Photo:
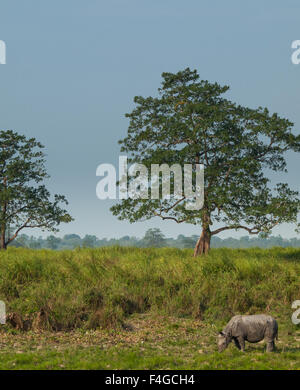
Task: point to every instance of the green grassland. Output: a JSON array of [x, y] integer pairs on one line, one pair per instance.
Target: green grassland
[[129, 308]]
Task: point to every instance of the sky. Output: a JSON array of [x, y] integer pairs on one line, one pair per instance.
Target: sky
[[74, 66]]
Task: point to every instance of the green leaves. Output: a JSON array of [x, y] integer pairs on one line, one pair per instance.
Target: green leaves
[[190, 121], [24, 203]]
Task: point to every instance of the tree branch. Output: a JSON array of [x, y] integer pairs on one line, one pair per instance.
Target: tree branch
[[170, 218], [253, 230]]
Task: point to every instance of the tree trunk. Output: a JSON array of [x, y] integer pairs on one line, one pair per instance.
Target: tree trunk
[[203, 244], [3, 244]]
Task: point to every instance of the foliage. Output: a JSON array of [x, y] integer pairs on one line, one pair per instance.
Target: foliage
[[154, 238], [72, 241], [24, 201], [191, 122], [90, 288]]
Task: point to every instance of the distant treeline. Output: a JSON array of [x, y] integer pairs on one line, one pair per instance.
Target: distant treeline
[[152, 238]]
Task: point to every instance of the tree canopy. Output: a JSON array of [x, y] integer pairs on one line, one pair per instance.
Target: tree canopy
[[24, 200], [190, 121], [154, 238]]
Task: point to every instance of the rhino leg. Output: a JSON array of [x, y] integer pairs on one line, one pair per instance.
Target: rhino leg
[[241, 342], [270, 346], [237, 344]]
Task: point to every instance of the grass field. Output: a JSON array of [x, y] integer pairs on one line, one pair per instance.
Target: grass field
[[127, 308]]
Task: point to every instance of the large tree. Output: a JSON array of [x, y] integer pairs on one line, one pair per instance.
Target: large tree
[[190, 121], [24, 200]]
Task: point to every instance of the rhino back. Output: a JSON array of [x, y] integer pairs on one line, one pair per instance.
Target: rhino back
[[252, 327]]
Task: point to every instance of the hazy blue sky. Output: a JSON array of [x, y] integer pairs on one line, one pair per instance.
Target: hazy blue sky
[[74, 66]]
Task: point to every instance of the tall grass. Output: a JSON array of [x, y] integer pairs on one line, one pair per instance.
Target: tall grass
[[90, 288]]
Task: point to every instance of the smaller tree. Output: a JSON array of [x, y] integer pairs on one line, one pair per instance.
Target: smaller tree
[[154, 238], [186, 242], [72, 241], [89, 241], [53, 242], [24, 202]]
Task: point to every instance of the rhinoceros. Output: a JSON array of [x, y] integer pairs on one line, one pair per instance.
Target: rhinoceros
[[252, 328]]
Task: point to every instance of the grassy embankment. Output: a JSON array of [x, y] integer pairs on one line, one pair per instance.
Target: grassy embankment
[[143, 308]]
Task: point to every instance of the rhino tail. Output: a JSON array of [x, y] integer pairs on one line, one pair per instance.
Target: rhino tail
[[276, 334]]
